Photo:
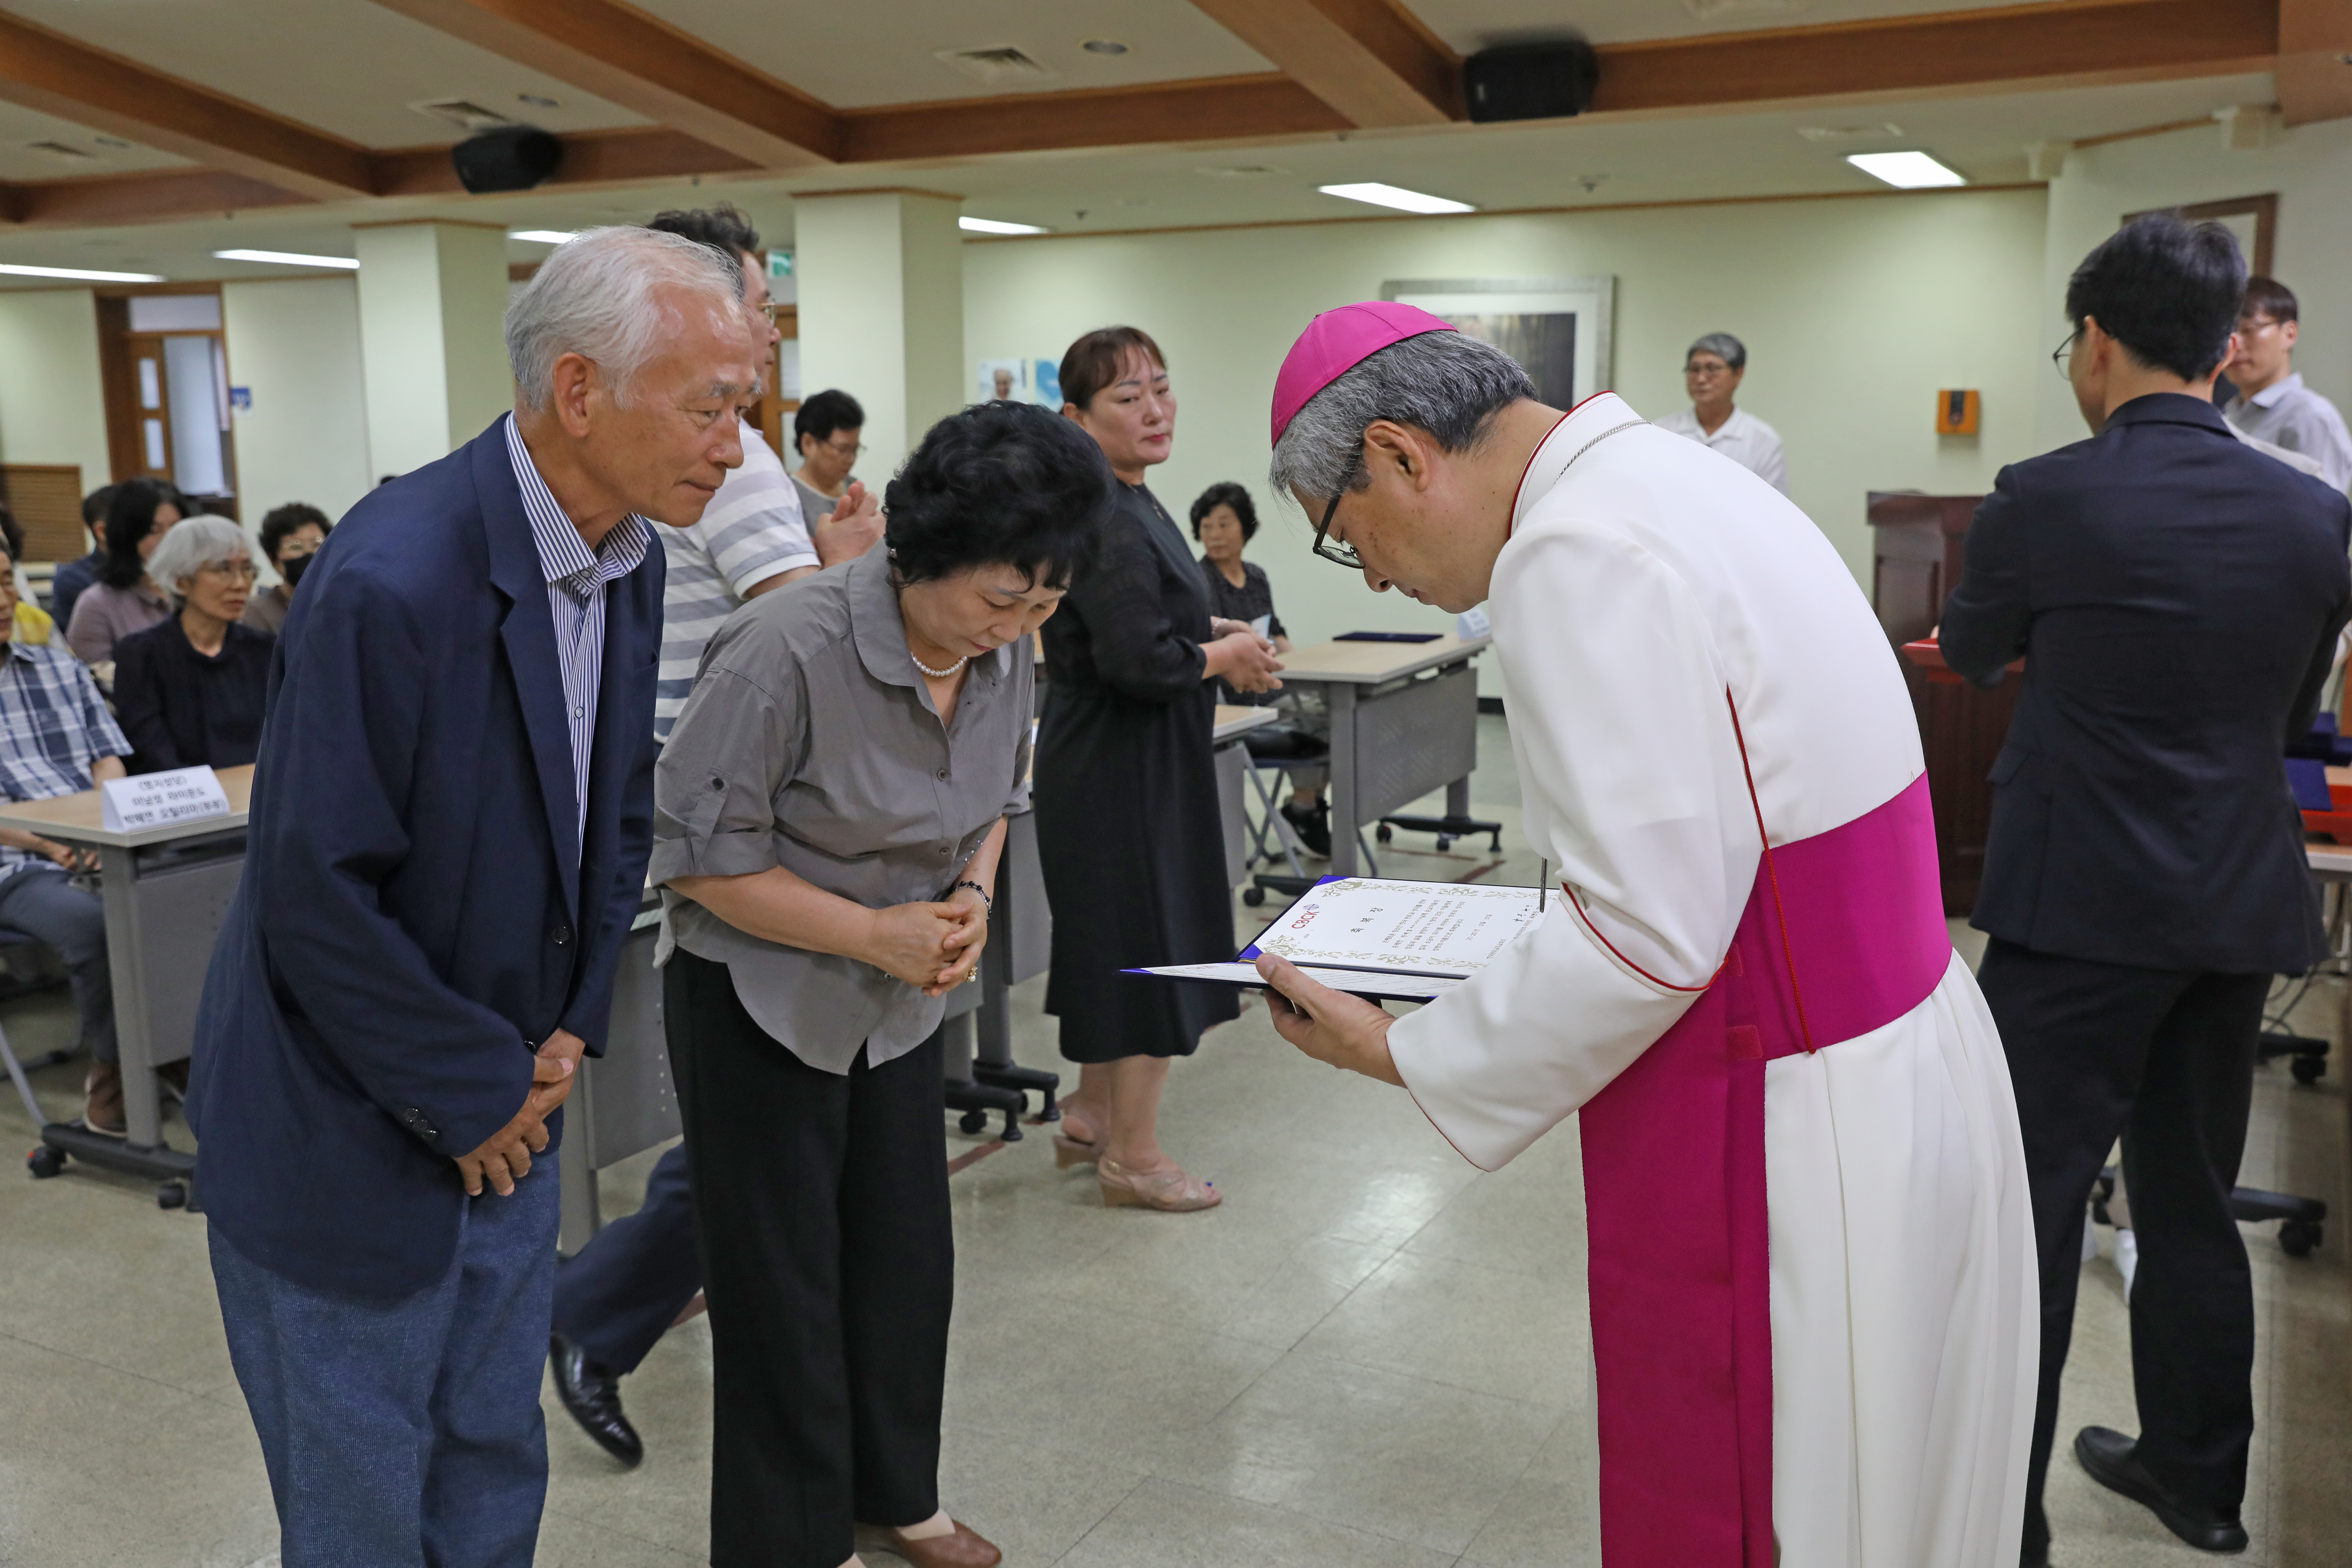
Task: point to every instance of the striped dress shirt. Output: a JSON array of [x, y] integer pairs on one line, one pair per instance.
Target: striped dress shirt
[[576, 580]]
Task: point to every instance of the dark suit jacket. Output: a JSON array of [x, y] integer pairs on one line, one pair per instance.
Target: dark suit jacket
[[2176, 595], [414, 915]]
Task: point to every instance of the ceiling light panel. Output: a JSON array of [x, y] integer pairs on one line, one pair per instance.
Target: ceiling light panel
[[289, 259], [79, 274], [991, 226], [542, 236], [1905, 171], [1397, 197]]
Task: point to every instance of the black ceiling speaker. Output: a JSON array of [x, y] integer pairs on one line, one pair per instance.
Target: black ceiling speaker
[[1530, 81], [510, 158]]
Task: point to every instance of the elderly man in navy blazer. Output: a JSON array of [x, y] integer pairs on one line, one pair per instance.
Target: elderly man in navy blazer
[[449, 832]]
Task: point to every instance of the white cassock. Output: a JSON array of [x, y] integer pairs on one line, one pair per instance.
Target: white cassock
[[1812, 1273]]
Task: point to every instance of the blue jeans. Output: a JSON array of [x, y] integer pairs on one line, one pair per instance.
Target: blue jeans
[[407, 1434]]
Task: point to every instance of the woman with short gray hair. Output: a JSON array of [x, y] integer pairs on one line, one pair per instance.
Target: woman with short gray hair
[[190, 688], [1713, 369]]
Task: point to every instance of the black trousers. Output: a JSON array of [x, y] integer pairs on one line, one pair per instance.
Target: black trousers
[[621, 1292], [2165, 1059], [828, 1264]]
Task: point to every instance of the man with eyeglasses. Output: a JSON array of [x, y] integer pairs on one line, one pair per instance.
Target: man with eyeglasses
[[825, 432], [2272, 404], [2177, 600], [1712, 372], [1803, 1196]]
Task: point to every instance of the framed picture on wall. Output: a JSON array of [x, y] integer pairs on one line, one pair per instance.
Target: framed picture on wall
[[2253, 219], [1556, 328]]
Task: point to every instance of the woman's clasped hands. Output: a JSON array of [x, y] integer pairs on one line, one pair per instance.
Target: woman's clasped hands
[[935, 947]]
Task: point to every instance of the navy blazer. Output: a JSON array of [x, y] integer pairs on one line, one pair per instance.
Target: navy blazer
[[414, 915], [2176, 595]]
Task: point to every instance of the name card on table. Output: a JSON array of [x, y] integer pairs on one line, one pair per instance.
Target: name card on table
[[159, 799]]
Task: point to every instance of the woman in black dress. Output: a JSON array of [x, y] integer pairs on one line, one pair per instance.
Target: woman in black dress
[[1128, 832]]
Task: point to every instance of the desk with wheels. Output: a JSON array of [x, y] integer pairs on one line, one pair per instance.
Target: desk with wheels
[[1405, 722], [166, 892], [625, 1101]]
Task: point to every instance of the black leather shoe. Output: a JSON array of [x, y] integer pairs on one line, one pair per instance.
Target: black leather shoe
[[2109, 1456], [595, 1400], [1313, 826]]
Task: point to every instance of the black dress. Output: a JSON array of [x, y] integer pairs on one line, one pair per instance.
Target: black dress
[[180, 708], [1129, 833]]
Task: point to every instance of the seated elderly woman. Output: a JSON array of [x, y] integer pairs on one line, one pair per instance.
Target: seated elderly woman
[[125, 599], [828, 816], [189, 689]]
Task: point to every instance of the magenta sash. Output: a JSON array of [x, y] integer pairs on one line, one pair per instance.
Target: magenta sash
[[1843, 934]]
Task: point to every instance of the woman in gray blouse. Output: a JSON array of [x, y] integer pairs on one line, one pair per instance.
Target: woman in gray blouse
[[829, 812]]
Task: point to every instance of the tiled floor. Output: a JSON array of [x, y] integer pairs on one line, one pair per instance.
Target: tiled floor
[[1372, 1355]]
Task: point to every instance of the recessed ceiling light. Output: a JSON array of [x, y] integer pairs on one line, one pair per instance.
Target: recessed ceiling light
[[542, 236], [116, 142], [1831, 134], [1243, 172], [82, 274], [536, 100], [991, 226], [1104, 47], [1381, 195], [1905, 171], [289, 259]]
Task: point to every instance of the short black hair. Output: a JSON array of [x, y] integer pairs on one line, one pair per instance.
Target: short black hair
[[827, 411], [999, 484], [1226, 493], [280, 522], [2167, 290], [2269, 297], [129, 515], [94, 505], [723, 228]]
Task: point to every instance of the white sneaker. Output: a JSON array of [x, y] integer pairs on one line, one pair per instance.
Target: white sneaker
[[2126, 1259]]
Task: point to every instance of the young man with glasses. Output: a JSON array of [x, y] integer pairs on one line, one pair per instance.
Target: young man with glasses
[[2271, 402], [2176, 601]]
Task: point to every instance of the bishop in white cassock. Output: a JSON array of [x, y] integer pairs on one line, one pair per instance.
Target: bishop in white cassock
[[1812, 1266]]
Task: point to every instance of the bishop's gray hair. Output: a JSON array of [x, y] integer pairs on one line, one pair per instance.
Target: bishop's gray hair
[[1448, 384], [1723, 346], [602, 296]]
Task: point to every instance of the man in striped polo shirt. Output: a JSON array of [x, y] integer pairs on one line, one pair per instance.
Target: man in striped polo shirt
[[615, 1299], [753, 537]]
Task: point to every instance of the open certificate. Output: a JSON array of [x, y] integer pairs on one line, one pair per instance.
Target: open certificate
[[1388, 941]]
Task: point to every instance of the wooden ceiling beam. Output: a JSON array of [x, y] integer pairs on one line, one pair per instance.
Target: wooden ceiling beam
[[62, 76], [1368, 60], [625, 56], [2080, 43], [1211, 109], [2314, 67]]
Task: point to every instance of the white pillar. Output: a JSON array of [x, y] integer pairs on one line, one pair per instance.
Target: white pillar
[[432, 302], [881, 275]]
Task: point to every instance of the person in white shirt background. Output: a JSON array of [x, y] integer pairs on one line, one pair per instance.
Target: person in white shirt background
[[1712, 372], [2271, 404]]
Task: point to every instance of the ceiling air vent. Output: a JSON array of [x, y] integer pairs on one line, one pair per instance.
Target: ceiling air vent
[[1717, 10], [997, 65], [1832, 135], [61, 150], [463, 113]]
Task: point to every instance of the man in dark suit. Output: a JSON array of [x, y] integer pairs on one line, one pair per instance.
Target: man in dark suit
[[2176, 595], [449, 832]]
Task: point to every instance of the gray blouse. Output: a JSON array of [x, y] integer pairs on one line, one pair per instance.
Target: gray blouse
[[810, 743]]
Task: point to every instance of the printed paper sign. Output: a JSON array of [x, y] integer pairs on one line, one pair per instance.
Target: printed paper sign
[[159, 799]]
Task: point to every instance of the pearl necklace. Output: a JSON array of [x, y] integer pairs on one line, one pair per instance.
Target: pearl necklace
[[938, 674]]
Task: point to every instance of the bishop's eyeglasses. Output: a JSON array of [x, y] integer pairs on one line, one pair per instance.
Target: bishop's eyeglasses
[[1344, 554]]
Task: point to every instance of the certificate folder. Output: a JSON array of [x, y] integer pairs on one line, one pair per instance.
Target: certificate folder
[[1381, 939]]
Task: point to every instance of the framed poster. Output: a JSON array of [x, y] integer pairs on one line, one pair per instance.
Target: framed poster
[[1002, 381], [1556, 328], [2253, 220]]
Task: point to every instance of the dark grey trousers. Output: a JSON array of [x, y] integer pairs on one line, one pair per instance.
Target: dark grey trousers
[[44, 904]]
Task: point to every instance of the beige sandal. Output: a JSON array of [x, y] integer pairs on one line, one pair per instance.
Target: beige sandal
[[1170, 1191]]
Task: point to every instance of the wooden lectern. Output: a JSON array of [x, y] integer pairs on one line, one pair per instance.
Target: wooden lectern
[[1914, 565]]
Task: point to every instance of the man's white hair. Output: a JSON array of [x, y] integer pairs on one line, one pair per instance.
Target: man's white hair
[[611, 295], [1448, 384], [193, 543]]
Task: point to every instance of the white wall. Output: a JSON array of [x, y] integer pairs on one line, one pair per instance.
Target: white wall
[[295, 344], [1854, 313], [52, 406], [2311, 171]]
